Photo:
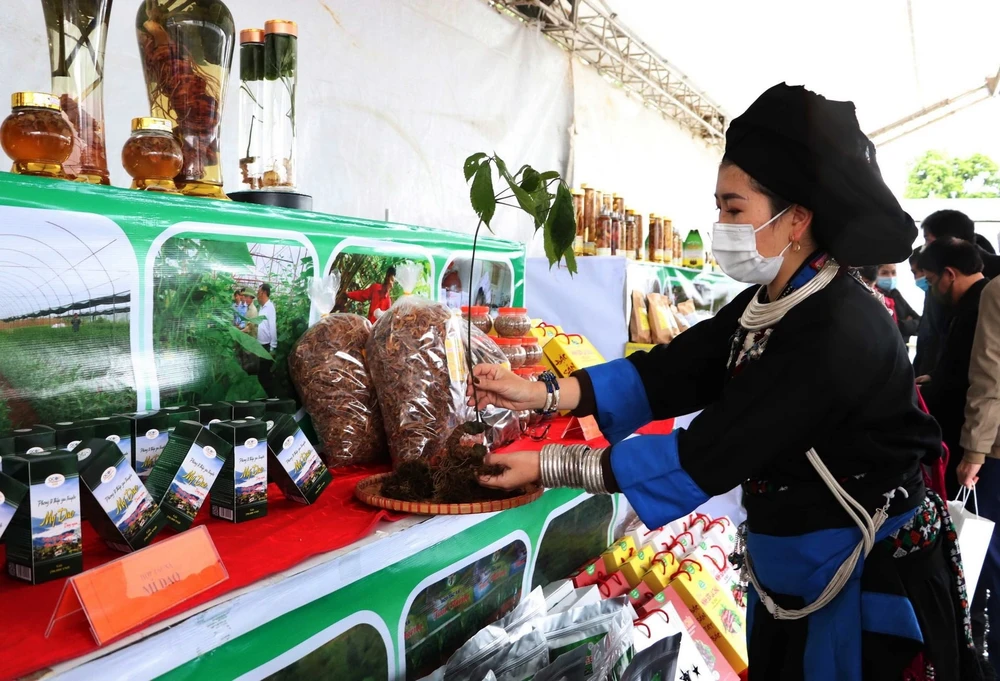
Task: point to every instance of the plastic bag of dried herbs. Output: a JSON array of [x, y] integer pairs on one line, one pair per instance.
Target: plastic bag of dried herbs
[[328, 367], [418, 364], [502, 425]]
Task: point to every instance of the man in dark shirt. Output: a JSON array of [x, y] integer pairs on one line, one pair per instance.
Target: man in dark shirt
[[954, 270]]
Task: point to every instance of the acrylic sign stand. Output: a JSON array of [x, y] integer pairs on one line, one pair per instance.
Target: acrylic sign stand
[[119, 596], [585, 429]]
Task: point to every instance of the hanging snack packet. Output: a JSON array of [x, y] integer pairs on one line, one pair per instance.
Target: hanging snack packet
[[527, 654], [587, 624], [657, 662], [477, 651], [663, 325], [639, 329]]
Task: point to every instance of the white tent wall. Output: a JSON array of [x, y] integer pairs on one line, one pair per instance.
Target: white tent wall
[[621, 146], [394, 95]]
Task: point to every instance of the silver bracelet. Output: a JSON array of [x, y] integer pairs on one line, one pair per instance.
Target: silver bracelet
[[576, 466]]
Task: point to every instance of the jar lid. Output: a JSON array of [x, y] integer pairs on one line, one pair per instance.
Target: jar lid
[[584, 186], [480, 310], [524, 372], [43, 100], [529, 340], [281, 27], [251, 35], [514, 310], [578, 192], [507, 341], [149, 123]]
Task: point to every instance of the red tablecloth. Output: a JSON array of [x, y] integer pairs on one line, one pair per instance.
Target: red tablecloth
[[251, 551]]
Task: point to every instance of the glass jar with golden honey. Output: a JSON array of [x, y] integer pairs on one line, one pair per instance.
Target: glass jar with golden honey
[[152, 155], [36, 135]]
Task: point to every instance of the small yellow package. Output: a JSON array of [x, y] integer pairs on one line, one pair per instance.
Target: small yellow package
[[660, 572], [714, 609], [618, 554], [639, 565], [544, 332], [632, 348], [568, 353]]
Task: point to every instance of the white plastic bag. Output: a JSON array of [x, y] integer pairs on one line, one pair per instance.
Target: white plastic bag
[[974, 534]]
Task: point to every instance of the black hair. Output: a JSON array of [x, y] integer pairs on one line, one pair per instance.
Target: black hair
[[266, 288], [916, 254], [391, 272], [957, 254], [985, 244], [869, 273], [949, 223], [777, 203]]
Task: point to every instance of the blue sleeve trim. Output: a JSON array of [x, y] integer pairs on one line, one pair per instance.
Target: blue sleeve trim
[[622, 407], [889, 614], [648, 471]]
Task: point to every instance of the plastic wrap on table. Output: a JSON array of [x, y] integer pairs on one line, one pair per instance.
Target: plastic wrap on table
[[329, 369], [417, 360], [502, 425]]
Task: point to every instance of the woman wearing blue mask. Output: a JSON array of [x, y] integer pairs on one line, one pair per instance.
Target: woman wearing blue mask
[[907, 318], [808, 401]]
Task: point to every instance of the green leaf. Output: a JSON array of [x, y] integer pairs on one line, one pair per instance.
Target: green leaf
[[472, 165], [543, 202], [251, 345], [548, 175], [570, 260], [483, 200], [531, 180], [524, 199], [560, 225]]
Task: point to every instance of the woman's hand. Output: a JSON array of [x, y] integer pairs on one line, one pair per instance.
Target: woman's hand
[[921, 380], [523, 468], [499, 387], [968, 473]]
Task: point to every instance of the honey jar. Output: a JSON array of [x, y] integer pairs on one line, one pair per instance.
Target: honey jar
[[152, 155], [36, 135]]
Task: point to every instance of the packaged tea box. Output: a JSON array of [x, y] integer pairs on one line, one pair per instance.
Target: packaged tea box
[[213, 412], [245, 409], [44, 539], [69, 434], [177, 414], [34, 440], [117, 503], [149, 431], [280, 405], [12, 493], [117, 429], [186, 471], [240, 491], [298, 470]]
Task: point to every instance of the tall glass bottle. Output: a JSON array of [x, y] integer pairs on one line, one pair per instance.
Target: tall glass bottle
[[280, 75], [77, 32], [251, 108], [187, 53]]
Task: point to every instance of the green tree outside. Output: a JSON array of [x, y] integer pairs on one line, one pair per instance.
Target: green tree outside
[[936, 175]]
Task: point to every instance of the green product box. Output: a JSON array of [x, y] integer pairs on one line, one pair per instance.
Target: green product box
[[213, 412], [247, 409], [44, 540], [299, 471], [118, 504], [117, 429], [177, 414], [69, 434], [34, 440], [280, 405], [240, 491], [12, 494], [149, 431], [186, 471]]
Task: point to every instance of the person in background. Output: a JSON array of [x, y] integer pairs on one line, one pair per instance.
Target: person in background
[[868, 275], [954, 270], [76, 323], [267, 335], [377, 295], [985, 244], [907, 318], [251, 314], [239, 309]]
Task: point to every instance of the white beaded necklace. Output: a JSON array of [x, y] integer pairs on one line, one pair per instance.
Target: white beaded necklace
[[760, 315]]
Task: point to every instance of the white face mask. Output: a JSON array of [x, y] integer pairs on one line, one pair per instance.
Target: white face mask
[[735, 249]]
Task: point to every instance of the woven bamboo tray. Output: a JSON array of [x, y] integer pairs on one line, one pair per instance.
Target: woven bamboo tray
[[368, 491]]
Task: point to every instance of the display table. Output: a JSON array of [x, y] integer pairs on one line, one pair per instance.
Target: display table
[[307, 584], [596, 302]]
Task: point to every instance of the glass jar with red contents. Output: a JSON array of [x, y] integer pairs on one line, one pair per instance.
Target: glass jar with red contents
[[512, 322], [511, 347], [480, 317], [152, 155], [36, 135], [532, 351]]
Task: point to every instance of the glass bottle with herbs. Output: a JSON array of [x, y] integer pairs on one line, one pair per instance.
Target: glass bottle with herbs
[[630, 235], [668, 238], [187, 53], [581, 225], [251, 138], [640, 240], [36, 135], [280, 76], [602, 240], [655, 243], [77, 33]]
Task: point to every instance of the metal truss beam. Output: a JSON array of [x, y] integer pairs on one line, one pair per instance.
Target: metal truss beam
[[586, 29]]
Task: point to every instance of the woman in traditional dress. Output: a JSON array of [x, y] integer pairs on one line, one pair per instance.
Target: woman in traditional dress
[[808, 400]]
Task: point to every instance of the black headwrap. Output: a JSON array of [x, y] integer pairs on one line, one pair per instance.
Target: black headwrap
[[810, 150]]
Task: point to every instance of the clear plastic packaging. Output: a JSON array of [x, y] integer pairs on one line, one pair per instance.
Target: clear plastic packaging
[[502, 425], [330, 371]]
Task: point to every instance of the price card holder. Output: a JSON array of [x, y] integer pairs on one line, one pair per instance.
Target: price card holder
[[119, 596], [585, 429]]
